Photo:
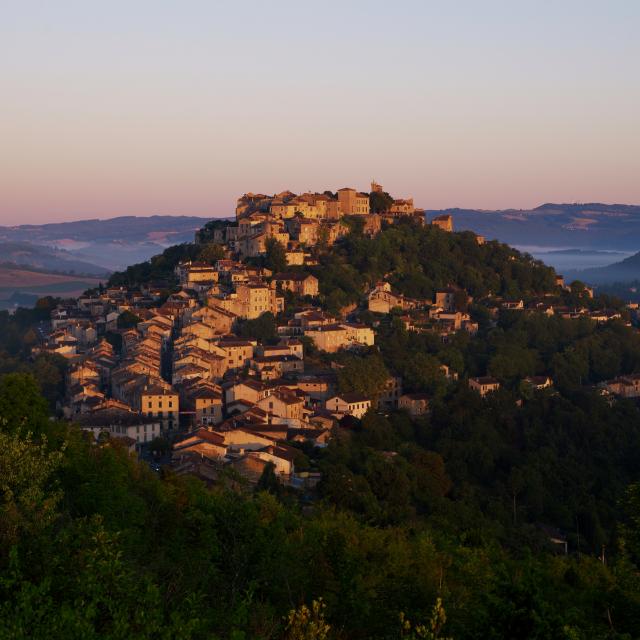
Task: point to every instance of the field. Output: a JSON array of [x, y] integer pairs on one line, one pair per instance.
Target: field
[[23, 287]]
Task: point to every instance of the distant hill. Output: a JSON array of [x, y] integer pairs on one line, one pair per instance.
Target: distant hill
[[594, 225], [46, 258], [158, 229], [627, 270], [113, 243]]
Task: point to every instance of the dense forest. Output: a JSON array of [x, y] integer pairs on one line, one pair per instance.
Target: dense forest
[[95, 545], [513, 516], [419, 260]]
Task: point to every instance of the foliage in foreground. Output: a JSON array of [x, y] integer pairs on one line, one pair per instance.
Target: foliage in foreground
[[95, 545]]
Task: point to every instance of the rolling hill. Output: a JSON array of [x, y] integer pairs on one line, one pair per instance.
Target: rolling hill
[[590, 225], [113, 243], [627, 270], [46, 258], [23, 286]]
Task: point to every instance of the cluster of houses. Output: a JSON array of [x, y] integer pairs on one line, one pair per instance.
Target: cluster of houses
[[484, 385], [320, 206], [180, 372], [627, 386], [599, 316], [300, 222], [624, 386]]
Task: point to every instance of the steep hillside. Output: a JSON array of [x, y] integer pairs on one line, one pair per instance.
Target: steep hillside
[[417, 260]]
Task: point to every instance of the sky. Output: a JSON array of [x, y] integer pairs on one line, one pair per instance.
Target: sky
[[155, 107]]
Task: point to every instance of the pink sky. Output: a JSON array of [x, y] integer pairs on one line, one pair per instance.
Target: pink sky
[[116, 111]]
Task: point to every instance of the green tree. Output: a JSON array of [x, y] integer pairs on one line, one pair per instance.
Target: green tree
[[380, 202], [128, 320], [211, 253], [512, 362], [28, 497], [307, 624], [366, 375], [262, 328], [49, 371], [429, 631], [268, 480], [460, 300], [22, 407], [275, 256]]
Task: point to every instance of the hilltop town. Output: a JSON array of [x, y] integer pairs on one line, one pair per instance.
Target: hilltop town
[[236, 360], [321, 380], [249, 393], [300, 222]]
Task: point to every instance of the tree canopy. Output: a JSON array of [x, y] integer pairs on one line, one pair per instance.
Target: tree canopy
[[276, 255], [86, 523]]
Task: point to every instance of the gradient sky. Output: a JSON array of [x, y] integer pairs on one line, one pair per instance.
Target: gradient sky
[[152, 107]]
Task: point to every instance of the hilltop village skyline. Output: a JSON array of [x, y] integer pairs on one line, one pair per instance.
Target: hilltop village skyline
[[298, 221], [336, 358]]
